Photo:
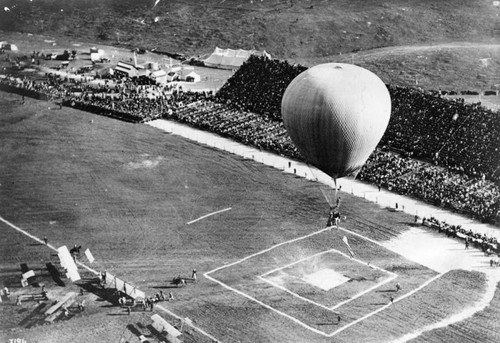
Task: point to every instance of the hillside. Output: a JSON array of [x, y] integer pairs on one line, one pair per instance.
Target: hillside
[[306, 32], [448, 66], [286, 28]]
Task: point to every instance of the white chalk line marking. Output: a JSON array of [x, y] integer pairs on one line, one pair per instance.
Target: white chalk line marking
[[188, 324], [295, 320], [266, 306], [284, 289], [386, 306], [365, 238], [392, 276], [208, 215], [327, 252], [42, 242], [97, 273], [266, 250], [468, 312], [26, 233]]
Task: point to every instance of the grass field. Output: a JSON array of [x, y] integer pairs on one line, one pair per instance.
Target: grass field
[[288, 29], [286, 268], [127, 192]]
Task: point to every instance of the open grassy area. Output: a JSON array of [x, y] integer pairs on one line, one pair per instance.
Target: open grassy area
[[312, 305], [127, 192], [450, 293]]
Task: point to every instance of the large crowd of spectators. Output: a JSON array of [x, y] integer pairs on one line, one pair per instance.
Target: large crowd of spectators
[[439, 150], [50, 87], [245, 127], [476, 197], [258, 86], [464, 138]]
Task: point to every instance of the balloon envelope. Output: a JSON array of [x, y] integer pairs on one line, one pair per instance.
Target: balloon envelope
[[336, 115]]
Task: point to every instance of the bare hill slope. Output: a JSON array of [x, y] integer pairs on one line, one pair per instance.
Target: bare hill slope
[[404, 42], [287, 28]]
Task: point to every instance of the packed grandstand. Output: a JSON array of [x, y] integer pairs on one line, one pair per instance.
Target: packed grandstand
[[440, 150]]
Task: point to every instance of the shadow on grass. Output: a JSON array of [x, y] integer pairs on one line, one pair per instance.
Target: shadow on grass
[[33, 317], [386, 291], [55, 274], [134, 330], [12, 282], [156, 333], [104, 294], [168, 286]]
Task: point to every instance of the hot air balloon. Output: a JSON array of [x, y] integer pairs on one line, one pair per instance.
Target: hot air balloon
[[336, 115]]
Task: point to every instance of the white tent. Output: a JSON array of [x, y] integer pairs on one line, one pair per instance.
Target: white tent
[[231, 59], [193, 77]]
